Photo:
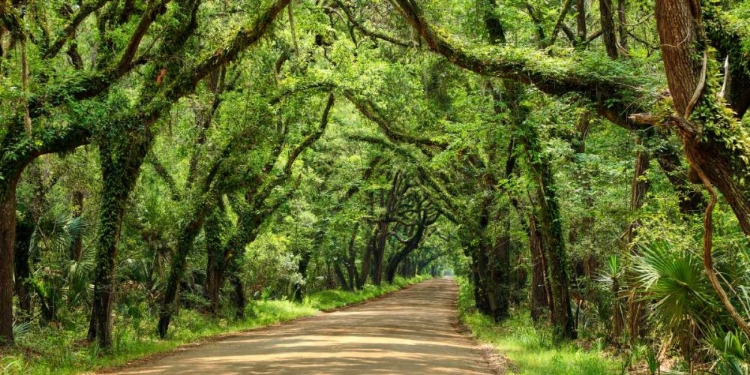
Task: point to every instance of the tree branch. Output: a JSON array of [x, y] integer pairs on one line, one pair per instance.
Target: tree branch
[[69, 30]]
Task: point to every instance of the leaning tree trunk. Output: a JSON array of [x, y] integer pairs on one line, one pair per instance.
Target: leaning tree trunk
[[411, 245], [179, 264], [121, 165], [709, 134], [712, 138], [393, 263], [341, 276]]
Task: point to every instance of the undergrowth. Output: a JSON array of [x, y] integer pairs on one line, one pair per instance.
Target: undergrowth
[[63, 350], [530, 348]]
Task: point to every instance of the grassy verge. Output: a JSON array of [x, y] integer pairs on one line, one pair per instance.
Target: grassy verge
[[530, 348], [335, 298], [63, 351]]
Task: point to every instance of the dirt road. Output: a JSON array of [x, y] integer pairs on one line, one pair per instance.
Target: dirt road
[[412, 331]]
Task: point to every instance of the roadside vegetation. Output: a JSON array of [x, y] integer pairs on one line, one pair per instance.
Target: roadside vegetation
[[529, 348]]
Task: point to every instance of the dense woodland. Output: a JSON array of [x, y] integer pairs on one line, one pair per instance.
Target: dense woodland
[[581, 161]]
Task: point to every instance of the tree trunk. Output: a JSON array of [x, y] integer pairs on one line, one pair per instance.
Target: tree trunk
[[121, 161], [636, 318], [366, 261], [622, 22], [552, 231], [238, 294], [110, 223], [179, 264], [7, 247], [213, 229], [379, 252], [341, 276], [494, 256], [581, 21], [608, 27], [539, 287], [24, 230], [708, 136], [500, 267], [394, 262], [411, 245], [351, 264], [304, 262], [480, 293]]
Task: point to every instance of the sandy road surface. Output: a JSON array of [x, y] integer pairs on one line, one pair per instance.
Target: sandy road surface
[[412, 331]]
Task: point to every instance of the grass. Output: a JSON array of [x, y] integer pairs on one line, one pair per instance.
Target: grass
[[530, 348], [51, 350], [334, 298]]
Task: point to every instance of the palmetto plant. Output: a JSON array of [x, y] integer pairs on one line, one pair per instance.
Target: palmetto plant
[[612, 278], [732, 351], [680, 297], [59, 278]]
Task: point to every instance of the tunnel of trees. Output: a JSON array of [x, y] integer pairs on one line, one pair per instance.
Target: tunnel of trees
[[581, 161]]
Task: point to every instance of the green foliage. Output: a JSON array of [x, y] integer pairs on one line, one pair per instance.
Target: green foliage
[[190, 168], [530, 349], [334, 298], [674, 279]]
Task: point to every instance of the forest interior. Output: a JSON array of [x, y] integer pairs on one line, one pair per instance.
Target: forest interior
[[175, 171]]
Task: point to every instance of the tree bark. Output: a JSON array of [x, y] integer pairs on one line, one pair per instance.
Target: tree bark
[[500, 268], [351, 264], [608, 27], [379, 252], [7, 247], [708, 131], [121, 163], [24, 231], [622, 21], [238, 294], [582, 33], [540, 295], [213, 229], [179, 263], [552, 231], [410, 245], [304, 262], [481, 298]]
